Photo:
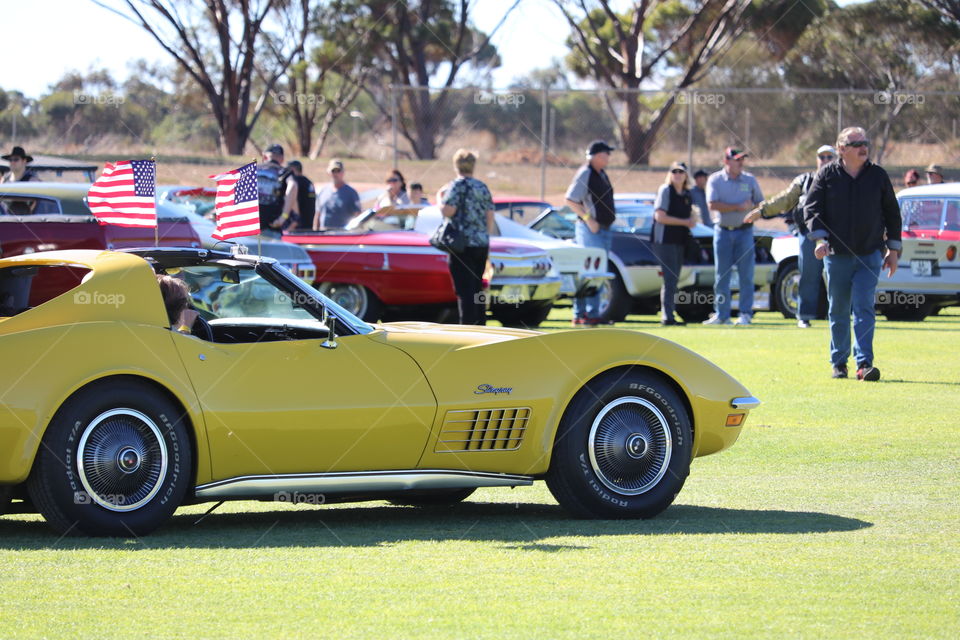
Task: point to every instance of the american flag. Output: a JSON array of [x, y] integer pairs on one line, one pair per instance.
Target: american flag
[[124, 194], [237, 204]]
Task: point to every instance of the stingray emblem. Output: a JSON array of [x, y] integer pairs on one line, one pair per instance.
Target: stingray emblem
[[489, 388]]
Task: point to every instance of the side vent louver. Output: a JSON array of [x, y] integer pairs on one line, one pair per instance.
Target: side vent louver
[[483, 430]]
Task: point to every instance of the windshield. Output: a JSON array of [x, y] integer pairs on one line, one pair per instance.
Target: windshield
[[221, 291], [199, 201], [634, 218], [926, 213]]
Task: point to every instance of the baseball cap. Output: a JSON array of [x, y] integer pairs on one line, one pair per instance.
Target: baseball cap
[[598, 146], [826, 148], [275, 148], [735, 153], [700, 172], [678, 165], [934, 168], [335, 164], [295, 164]]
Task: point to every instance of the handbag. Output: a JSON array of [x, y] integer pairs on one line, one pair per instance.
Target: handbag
[[447, 237]]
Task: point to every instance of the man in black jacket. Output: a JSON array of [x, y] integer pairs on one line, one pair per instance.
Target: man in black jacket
[[852, 214]]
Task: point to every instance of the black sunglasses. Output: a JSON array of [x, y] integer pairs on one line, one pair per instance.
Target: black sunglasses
[[826, 157], [857, 143], [677, 171]]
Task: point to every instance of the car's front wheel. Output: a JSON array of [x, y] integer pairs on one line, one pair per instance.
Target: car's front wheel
[[622, 448], [116, 460], [615, 300], [355, 298]]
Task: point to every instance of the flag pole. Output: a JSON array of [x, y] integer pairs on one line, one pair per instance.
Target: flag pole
[[156, 213], [259, 231]]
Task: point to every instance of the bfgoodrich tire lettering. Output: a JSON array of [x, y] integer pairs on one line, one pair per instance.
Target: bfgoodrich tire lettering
[[622, 449], [115, 460]]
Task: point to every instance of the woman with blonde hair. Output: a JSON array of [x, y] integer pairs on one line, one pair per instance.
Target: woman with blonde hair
[[467, 202], [672, 222]]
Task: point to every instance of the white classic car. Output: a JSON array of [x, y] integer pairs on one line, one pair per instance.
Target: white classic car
[[928, 276]]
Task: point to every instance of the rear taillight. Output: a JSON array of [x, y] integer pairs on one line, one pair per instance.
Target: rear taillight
[[952, 252]]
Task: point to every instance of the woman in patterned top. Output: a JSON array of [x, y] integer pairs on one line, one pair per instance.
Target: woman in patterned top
[[468, 202]]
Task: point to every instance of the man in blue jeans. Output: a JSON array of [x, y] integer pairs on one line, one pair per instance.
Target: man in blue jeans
[[854, 218], [590, 195], [791, 201], [731, 193]]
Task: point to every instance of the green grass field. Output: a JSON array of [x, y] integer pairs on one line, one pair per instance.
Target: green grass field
[[835, 515]]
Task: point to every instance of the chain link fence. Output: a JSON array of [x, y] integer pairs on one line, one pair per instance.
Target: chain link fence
[[780, 128]]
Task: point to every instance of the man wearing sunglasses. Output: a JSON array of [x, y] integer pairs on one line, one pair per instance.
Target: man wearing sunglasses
[[853, 216], [789, 203]]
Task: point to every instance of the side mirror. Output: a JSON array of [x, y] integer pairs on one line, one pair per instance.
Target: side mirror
[[330, 321]]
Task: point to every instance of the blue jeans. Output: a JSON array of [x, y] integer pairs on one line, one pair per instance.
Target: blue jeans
[[811, 273], [589, 306], [732, 249], [852, 282]]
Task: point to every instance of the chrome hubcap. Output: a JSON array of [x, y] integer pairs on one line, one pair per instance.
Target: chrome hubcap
[[790, 291], [630, 445], [121, 459], [349, 296]]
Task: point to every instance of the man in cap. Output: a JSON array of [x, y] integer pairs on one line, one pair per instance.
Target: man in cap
[[934, 174], [789, 203], [271, 187], [698, 193], [854, 218], [590, 195], [731, 193], [338, 202], [19, 172]]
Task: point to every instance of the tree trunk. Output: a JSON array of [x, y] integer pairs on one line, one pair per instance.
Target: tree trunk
[[424, 125]]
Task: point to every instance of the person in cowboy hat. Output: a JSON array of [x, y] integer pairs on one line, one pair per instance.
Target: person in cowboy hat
[[18, 159]]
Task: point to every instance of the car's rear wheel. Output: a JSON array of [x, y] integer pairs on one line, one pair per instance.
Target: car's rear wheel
[[907, 312], [355, 298], [622, 449], [526, 315], [615, 300], [434, 498], [6, 494], [116, 460]]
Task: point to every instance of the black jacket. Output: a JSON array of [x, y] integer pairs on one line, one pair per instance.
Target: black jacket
[[855, 215]]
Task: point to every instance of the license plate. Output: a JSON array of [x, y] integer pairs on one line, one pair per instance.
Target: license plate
[[512, 294], [921, 268], [568, 283]]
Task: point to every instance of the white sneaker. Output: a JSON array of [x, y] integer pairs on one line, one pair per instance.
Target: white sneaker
[[803, 324], [745, 318], [715, 319]]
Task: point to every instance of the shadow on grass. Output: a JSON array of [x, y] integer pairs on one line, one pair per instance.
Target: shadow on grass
[[521, 526]]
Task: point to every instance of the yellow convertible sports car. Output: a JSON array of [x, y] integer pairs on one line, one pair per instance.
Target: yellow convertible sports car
[[111, 418]]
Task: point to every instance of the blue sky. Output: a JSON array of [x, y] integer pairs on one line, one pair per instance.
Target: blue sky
[[530, 38]]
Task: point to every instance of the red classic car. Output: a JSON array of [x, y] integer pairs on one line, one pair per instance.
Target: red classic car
[[397, 274]]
